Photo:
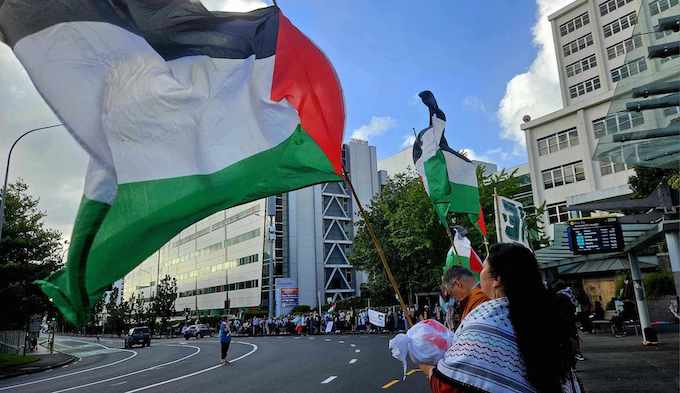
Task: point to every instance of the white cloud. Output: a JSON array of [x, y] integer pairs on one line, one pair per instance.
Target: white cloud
[[537, 91], [376, 126], [474, 104], [408, 141], [233, 5], [473, 155]]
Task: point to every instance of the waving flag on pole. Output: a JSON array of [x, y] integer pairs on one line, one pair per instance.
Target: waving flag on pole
[[183, 111], [449, 177]]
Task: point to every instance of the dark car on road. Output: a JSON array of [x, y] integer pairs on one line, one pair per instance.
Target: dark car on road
[[198, 331], [138, 336]]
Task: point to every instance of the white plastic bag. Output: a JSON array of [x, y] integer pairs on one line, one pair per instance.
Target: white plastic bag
[[425, 342]]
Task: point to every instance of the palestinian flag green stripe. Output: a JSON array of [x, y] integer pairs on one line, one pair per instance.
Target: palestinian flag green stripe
[[457, 197], [146, 214]]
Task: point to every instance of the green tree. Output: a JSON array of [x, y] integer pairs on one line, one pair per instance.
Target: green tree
[[119, 314], [28, 251], [96, 313], [646, 180], [138, 309], [414, 241], [164, 302]]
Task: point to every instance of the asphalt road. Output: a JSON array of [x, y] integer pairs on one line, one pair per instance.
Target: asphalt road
[[280, 364]]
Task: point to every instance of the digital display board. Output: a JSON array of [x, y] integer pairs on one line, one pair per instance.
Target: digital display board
[[595, 235]]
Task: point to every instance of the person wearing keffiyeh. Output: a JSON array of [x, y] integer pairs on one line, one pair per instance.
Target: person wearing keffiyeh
[[512, 343]]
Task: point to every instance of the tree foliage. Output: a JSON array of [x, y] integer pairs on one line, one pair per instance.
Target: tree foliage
[[28, 251], [646, 180], [163, 305], [414, 241]]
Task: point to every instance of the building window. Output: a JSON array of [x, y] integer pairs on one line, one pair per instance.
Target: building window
[[661, 34], [584, 87], [659, 6], [607, 167], [574, 24], [565, 174], [620, 24], [617, 122], [249, 259], [581, 65], [559, 141], [629, 69], [557, 212], [671, 111], [577, 44], [609, 6], [624, 47]]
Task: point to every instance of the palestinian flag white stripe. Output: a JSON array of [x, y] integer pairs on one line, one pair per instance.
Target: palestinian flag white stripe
[[184, 112]]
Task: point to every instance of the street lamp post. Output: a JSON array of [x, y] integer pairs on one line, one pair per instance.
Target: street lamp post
[[9, 157]]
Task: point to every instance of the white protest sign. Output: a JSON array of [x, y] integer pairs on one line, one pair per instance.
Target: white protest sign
[[376, 318]]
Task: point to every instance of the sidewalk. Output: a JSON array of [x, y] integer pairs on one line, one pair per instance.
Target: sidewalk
[[45, 361], [623, 365]]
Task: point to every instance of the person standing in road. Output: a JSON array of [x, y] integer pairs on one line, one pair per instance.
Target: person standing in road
[[225, 340]]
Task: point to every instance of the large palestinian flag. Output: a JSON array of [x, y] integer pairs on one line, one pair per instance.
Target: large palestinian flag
[[183, 112]]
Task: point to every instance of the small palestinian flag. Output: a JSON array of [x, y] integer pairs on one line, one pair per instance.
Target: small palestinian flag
[[183, 111], [463, 255]]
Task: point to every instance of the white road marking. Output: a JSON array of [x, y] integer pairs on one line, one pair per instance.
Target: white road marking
[[119, 383], [136, 372], [352, 345], [341, 342], [311, 338], [327, 339], [329, 379], [353, 361], [196, 372], [73, 373], [357, 350]]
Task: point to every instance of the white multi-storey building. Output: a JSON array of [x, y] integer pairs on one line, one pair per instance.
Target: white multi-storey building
[[596, 51]]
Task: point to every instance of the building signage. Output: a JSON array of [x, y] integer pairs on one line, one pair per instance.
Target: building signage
[[287, 295], [595, 235]]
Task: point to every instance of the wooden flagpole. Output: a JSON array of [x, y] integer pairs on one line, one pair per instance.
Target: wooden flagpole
[[381, 253]]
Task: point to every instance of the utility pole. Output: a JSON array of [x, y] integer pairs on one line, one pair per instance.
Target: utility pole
[[271, 236]]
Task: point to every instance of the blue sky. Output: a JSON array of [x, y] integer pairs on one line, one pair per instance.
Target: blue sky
[[385, 55]]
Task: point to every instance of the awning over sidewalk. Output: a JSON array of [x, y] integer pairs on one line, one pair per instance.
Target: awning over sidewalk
[[559, 256]]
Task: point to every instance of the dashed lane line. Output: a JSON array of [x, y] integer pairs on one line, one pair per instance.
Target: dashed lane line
[[390, 383], [411, 372], [329, 379], [341, 342], [352, 345], [327, 339], [133, 354], [357, 350], [196, 372], [138, 371], [353, 361], [119, 383]]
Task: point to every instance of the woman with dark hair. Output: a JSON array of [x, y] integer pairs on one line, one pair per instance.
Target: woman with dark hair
[[514, 342]]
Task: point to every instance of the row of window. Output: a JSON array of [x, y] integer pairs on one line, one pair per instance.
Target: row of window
[[609, 6], [659, 6], [661, 34], [629, 69], [577, 44], [557, 212], [559, 141], [624, 47], [617, 122], [565, 174], [249, 259], [235, 286], [242, 237], [671, 111], [214, 247], [620, 24], [574, 24], [584, 87], [220, 224], [581, 65]]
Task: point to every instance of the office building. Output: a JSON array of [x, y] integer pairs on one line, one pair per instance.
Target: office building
[[597, 54]]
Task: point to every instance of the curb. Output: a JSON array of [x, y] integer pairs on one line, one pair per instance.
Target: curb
[[70, 360]]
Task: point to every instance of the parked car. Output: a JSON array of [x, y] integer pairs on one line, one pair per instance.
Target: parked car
[[198, 331], [138, 336]]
